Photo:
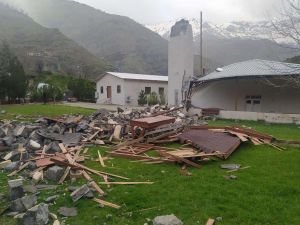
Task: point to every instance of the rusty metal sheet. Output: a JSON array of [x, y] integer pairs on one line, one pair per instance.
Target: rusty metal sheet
[[151, 122], [211, 142]]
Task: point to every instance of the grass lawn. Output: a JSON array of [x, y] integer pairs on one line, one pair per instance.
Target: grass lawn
[[267, 193], [36, 110]]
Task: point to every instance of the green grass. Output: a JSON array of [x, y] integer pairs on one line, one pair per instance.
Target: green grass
[[267, 193], [37, 110], [280, 131]]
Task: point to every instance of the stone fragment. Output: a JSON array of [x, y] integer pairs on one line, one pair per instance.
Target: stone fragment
[[80, 192], [19, 130], [31, 166], [17, 206], [167, 220], [68, 212], [12, 214], [29, 201], [53, 148], [34, 145], [30, 189], [90, 194], [12, 166], [230, 166], [37, 215], [15, 189], [54, 173], [9, 140], [117, 132], [51, 198], [37, 176]]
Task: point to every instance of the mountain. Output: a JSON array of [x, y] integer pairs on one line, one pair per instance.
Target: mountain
[[127, 45], [260, 30], [235, 41], [42, 49]]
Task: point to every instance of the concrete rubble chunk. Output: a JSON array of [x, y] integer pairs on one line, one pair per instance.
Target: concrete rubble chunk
[[17, 206], [53, 148], [8, 140], [29, 201], [80, 192], [117, 132], [230, 166], [11, 166], [51, 198], [167, 220], [15, 189], [19, 130], [37, 215], [34, 145], [2, 133], [30, 189], [54, 173], [67, 212]]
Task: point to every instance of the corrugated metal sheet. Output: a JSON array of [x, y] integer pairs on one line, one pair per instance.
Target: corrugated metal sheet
[[211, 142], [132, 76], [254, 68]]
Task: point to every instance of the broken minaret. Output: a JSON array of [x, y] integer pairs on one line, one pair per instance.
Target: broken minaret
[[181, 61]]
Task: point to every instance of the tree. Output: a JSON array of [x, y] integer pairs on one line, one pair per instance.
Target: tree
[[13, 81], [287, 27], [83, 89]]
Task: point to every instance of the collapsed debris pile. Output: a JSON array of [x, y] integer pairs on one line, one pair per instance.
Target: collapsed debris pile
[[54, 149]]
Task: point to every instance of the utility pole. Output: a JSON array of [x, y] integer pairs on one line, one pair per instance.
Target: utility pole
[[201, 45]]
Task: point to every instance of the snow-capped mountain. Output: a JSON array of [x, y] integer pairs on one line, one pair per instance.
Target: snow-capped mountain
[[237, 29]]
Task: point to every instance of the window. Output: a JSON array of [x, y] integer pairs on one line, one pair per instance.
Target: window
[[118, 89], [161, 91], [101, 89], [253, 99], [147, 90]]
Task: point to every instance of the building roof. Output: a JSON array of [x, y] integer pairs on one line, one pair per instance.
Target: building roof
[[254, 68], [132, 76]]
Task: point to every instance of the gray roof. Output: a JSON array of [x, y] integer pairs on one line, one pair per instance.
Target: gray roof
[[132, 76], [254, 68]]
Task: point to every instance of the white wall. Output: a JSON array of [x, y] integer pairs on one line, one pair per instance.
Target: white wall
[[117, 98], [180, 61], [129, 88], [229, 95], [134, 87]]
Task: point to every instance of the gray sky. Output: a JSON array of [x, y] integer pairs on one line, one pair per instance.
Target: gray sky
[[219, 11]]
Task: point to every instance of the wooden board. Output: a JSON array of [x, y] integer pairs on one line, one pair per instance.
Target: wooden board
[[105, 203]]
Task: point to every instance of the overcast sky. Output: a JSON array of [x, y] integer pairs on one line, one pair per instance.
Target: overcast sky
[[219, 11]]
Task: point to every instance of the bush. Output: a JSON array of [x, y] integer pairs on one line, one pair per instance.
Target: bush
[[153, 99], [162, 99], [142, 98]]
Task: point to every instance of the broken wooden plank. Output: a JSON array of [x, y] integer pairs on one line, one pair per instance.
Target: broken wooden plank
[[64, 176], [210, 221], [101, 159], [105, 203], [4, 163], [130, 142], [100, 173], [126, 183], [98, 189], [18, 170]]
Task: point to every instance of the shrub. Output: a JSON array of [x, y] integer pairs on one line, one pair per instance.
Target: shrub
[[153, 99], [142, 98]]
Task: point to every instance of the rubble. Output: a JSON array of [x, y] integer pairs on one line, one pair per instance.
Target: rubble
[[54, 173], [38, 215], [15, 189], [54, 149], [167, 220], [79, 193], [67, 212]]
